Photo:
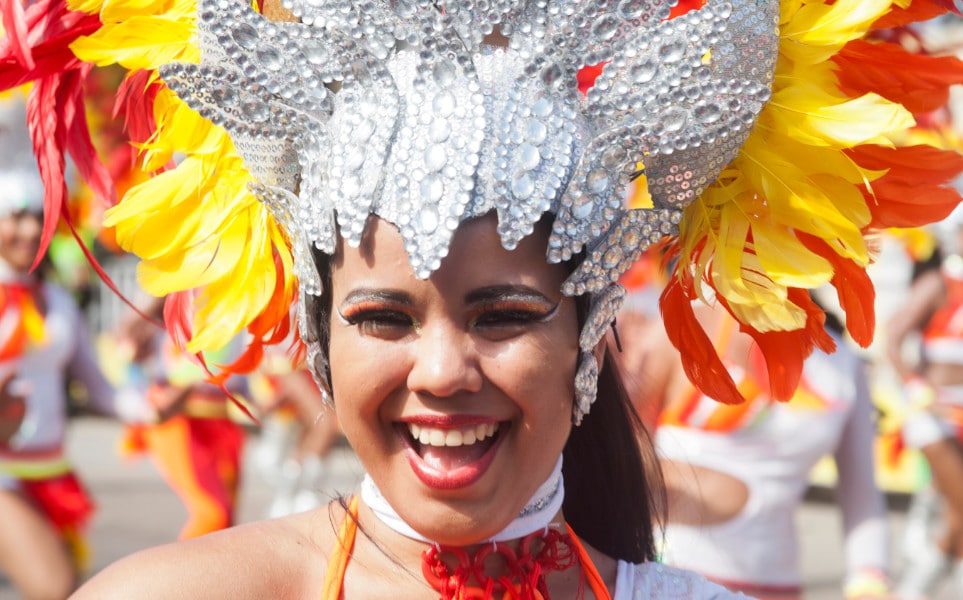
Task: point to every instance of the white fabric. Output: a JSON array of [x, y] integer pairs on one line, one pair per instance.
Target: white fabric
[[773, 457], [921, 428], [42, 372], [535, 516], [654, 581], [946, 351]]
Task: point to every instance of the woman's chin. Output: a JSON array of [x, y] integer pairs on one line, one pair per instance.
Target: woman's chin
[[455, 528]]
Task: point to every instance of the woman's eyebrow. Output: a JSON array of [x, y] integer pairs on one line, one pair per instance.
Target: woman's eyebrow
[[377, 295], [506, 292]]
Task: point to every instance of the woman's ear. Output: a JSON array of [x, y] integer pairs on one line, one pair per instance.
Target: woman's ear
[[599, 351]]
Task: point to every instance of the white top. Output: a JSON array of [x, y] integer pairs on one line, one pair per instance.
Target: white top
[[773, 456], [42, 372], [656, 581]]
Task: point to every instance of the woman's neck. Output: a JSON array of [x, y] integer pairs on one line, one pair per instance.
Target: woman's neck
[[536, 541], [536, 515]]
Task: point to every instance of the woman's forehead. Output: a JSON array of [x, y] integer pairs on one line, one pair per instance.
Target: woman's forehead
[[476, 257]]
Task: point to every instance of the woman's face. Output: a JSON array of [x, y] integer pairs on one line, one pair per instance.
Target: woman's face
[[456, 392], [20, 238]]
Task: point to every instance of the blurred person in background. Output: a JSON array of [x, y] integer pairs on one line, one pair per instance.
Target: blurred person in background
[[736, 475], [44, 343], [195, 443], [932, 375], [298, 431]]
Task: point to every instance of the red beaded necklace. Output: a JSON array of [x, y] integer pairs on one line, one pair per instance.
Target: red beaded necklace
[[525, 570], [559, 552]]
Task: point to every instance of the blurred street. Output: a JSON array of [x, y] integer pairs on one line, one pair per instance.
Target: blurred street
[[138, 510]]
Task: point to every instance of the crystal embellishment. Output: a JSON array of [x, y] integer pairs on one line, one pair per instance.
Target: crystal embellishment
[[404, 110], [375, 107]]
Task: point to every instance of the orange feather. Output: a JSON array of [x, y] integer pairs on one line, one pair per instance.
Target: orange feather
[[918, 10], [920, 83], [700, 360], [913, 192], [785, 351], [854, 289]]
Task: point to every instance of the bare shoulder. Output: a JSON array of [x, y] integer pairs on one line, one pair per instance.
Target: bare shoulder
[[281, 558]]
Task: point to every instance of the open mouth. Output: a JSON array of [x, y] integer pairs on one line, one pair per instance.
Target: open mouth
[[451, 457]]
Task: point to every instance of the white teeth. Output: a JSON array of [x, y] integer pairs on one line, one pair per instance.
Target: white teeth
[[431, 436]]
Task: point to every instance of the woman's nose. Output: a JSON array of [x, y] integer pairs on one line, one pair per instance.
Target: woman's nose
[[445, 363]]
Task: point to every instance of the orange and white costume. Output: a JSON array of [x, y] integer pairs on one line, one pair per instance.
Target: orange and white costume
[[198, 450], [771, 447]]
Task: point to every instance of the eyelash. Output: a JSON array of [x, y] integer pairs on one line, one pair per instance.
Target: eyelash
[[368, 318], [496, 316], [491, 315]]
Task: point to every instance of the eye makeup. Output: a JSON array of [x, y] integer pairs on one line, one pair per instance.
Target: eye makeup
[[377, 309]]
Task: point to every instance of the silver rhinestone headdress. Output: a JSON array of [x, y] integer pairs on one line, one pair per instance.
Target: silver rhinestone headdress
[[400, 109]]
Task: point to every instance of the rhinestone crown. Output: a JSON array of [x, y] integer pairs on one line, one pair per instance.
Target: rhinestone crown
[[400, 109]]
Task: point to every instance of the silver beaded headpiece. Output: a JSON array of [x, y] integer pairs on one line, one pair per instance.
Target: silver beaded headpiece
[[401, 109]]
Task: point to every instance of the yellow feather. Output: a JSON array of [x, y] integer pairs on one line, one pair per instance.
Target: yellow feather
[[785, 260], [796, 199], [811, 116], [140, 35], [210, 259], [813, 32], [247, 291]]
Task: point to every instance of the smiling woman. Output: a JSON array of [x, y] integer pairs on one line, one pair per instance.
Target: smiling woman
[[451, 204]]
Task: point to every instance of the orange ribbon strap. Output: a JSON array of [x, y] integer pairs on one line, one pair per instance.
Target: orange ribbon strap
[[334, 576]]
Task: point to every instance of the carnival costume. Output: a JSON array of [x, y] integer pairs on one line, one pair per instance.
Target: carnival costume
[[771, 447], [934, 414], [43, 341], [760, 142], [197, 449], [942, 340]]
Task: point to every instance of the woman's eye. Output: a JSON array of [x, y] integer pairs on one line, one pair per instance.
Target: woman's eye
[[380, 322], [507, 318]]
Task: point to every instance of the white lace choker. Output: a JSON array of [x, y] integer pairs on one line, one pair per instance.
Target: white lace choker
[[537, 514]]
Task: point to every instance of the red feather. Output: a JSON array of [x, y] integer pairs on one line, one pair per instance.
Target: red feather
[[700, 360], [912, 192], [15, 26], [918, 10], [179, 323], [52, 28], [135, 99], [854, 288], [920, 83], [785, 351], [81, 147], [43, 123]]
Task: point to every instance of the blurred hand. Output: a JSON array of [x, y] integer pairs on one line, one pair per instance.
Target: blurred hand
[[13, 407], [168, 400]]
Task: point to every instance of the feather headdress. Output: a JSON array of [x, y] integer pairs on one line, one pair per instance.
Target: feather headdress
[[816, 171]]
